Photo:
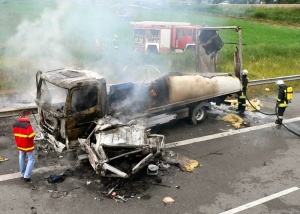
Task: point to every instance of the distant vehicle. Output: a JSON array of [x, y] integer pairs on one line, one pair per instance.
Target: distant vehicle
[[225, 2], [124, 10], [164, 37]]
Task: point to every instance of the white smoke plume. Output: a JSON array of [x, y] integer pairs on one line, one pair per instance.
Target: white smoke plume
[[68, 35]]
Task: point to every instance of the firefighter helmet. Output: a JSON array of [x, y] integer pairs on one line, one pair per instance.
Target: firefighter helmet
[[244, 72], [279, 82]]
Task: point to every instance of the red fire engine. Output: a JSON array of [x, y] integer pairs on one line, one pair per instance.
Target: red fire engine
[[163, 37]]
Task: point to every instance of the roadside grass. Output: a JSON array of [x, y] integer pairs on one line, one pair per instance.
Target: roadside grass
[[281, 15], [269, 50]]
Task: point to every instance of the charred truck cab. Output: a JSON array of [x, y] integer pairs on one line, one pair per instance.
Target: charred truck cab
[[68, 100]]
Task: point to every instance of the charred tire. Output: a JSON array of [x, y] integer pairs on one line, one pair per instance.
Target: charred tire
[[198, 114]]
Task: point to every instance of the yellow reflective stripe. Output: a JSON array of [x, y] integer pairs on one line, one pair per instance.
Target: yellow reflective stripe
[[26, 149], [24, 135], [283, 105], [242, 95], [31, 135], [21, 135]]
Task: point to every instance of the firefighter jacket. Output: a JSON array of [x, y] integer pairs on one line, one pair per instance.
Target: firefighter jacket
[[282, 99], [24, 135], [245, 81]]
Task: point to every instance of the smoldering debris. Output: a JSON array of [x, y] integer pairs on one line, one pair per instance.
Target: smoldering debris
[[185, 163], [56, 178], [2, 159], [236, 121], [118, 189], [253, 105], [121, 150]]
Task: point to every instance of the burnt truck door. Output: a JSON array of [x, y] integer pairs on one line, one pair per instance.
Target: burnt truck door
[[38, 83], [84, 105]]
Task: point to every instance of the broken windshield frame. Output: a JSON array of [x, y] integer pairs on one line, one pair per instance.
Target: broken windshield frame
[[53, 96]]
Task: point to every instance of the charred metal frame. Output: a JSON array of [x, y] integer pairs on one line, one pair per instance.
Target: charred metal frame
[[235, 28], [142, 145]]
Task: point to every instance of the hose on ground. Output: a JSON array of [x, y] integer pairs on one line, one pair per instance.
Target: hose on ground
[[276, 113], [257, 109], [284, 124]]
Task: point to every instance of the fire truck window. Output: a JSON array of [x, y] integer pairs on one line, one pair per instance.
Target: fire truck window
[[139, 36], [190, 32], [84, 98], [152, 35], [182, 32]]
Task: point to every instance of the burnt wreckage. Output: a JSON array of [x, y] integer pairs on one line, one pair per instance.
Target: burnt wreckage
[[77, 107]]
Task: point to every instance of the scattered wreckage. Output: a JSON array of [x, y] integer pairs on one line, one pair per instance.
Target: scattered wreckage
[[77, 107], [112, 141]]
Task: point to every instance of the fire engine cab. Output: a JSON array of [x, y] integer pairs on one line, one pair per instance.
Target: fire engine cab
[[163, 37]]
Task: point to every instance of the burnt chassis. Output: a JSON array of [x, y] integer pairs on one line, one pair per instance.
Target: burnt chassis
[[121, 150]]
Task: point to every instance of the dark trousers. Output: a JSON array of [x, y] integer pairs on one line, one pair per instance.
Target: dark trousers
[[280, 111], [242, 104]]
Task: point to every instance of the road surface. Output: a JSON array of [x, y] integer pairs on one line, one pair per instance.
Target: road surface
[[251, 170]]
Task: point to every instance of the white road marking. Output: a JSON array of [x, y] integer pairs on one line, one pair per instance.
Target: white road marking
[[38, 170], [224, 134], [260, 201]]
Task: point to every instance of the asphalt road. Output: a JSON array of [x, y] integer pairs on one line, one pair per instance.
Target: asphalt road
[[251, 170]]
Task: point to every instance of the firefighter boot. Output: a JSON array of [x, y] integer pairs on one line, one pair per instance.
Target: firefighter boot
[[278, 122]]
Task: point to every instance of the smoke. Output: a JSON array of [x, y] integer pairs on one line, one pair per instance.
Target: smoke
[[40, 42], [67, 35]]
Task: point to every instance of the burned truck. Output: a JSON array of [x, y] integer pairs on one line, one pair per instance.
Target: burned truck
[[111, 121], [70, 100]]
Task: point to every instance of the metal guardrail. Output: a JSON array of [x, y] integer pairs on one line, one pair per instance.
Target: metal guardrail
[[273, 80], [12, 112], [17, 111]]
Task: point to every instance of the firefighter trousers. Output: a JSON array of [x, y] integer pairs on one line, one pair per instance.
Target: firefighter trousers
[[280, 112], [241, 104]]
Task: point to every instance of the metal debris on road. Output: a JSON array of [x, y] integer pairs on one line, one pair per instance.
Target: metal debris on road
[[184, 163], [121, 150], [56, 178], [58, 194], [152, 169]]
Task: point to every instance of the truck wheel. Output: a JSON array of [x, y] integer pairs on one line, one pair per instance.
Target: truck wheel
[[199, 114]]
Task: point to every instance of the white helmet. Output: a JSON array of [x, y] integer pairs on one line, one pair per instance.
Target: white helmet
[[279, 82], [244, 72], [116, 36]]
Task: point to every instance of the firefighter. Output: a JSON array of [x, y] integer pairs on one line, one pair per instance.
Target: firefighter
[[242, 94], [282, 101], [24, 136]]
